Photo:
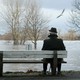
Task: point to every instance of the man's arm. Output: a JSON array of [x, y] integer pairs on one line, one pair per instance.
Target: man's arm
[[43, 47], [62, 45]]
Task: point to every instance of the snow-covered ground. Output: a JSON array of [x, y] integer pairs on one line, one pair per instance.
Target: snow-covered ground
[[73, 48]]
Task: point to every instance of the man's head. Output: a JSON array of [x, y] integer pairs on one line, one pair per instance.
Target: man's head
[[53, 31]]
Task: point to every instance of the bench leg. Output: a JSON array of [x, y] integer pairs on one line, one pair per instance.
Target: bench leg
[[54, 63], [1, 64], [54, 71]]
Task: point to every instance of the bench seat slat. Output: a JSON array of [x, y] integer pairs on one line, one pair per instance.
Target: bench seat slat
[[25, 61], [33, 54], [22, 61]]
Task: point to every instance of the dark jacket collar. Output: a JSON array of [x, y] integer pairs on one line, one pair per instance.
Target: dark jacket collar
[[52, 35]]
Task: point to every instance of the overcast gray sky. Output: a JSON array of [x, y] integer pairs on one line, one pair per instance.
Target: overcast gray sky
[[51, 9], [56, 4]]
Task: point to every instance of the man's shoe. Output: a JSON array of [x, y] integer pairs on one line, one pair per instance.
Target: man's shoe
[[44, 73], [59, 73]]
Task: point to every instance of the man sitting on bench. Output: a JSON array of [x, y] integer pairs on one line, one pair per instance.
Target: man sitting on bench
[[53, 43]]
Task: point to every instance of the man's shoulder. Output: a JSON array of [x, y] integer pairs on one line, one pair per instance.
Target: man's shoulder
[[46, 39], [59, 38]]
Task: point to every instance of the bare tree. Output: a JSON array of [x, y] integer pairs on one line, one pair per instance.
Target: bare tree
[[12, 16], [32, 17], [44, 33], [34, 21], [75, 15], [71, 34]]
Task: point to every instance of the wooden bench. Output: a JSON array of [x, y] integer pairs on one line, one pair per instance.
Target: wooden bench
[[25, 57]]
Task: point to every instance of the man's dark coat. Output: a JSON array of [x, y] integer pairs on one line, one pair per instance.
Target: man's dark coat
[[53, 43]]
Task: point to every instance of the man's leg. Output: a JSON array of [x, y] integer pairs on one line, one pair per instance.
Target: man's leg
[[59, 68], [59, 65], [44, 68]]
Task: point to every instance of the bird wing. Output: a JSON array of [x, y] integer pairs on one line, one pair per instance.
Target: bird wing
[[61, 13]]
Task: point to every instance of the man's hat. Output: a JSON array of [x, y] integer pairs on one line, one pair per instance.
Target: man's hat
[[53, 30]]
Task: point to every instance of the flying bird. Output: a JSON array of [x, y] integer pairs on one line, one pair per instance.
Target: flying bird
[[61, 13]]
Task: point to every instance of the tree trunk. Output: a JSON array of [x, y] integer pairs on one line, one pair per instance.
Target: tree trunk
[[35, 45], [16, 42]]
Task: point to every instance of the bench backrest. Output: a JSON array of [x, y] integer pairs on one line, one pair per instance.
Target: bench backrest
[[33, 54]]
